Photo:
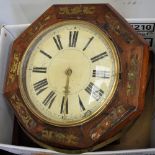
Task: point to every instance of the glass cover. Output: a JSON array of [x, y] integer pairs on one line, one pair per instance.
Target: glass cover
[[69, 73]]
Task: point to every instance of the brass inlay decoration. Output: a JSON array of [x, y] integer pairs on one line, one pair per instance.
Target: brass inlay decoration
[[108, 122], [132, 76], [36, 27], [60, 137], [85, 10], [24, 115], [13, 68], [118, 28]]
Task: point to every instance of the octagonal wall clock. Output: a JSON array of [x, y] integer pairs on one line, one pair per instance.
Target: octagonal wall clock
[[77, 77]]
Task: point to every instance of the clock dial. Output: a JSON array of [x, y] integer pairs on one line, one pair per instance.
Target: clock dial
[[69, 73]]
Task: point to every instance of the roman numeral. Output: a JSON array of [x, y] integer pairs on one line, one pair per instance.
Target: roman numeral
[[64, 104], [58, 42], [94, 91], [81, 104], [98, 57], [45, 54], [90, 40], [73, 38], [49, 99], [40, 86], [39, 69], [101, 74]]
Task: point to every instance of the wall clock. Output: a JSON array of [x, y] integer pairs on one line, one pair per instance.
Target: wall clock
[[77, 77]]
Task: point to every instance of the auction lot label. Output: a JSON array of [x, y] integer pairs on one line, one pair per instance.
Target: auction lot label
[[147, 30]]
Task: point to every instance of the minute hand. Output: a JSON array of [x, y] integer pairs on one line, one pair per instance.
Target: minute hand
[[68, 72]]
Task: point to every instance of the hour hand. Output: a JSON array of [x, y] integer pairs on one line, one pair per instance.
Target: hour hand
[[64, 105]]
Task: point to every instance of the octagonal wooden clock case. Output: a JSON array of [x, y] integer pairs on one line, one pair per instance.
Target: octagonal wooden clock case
[[77, 77]]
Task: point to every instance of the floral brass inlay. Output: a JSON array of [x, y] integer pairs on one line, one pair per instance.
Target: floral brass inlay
[[109, 121], [13, 68], [118, 28], [60, 137], [22, 112], [132, 76], [86, 10], [36, 27]]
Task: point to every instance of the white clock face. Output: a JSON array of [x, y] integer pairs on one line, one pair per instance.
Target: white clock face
[[69, 73]]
